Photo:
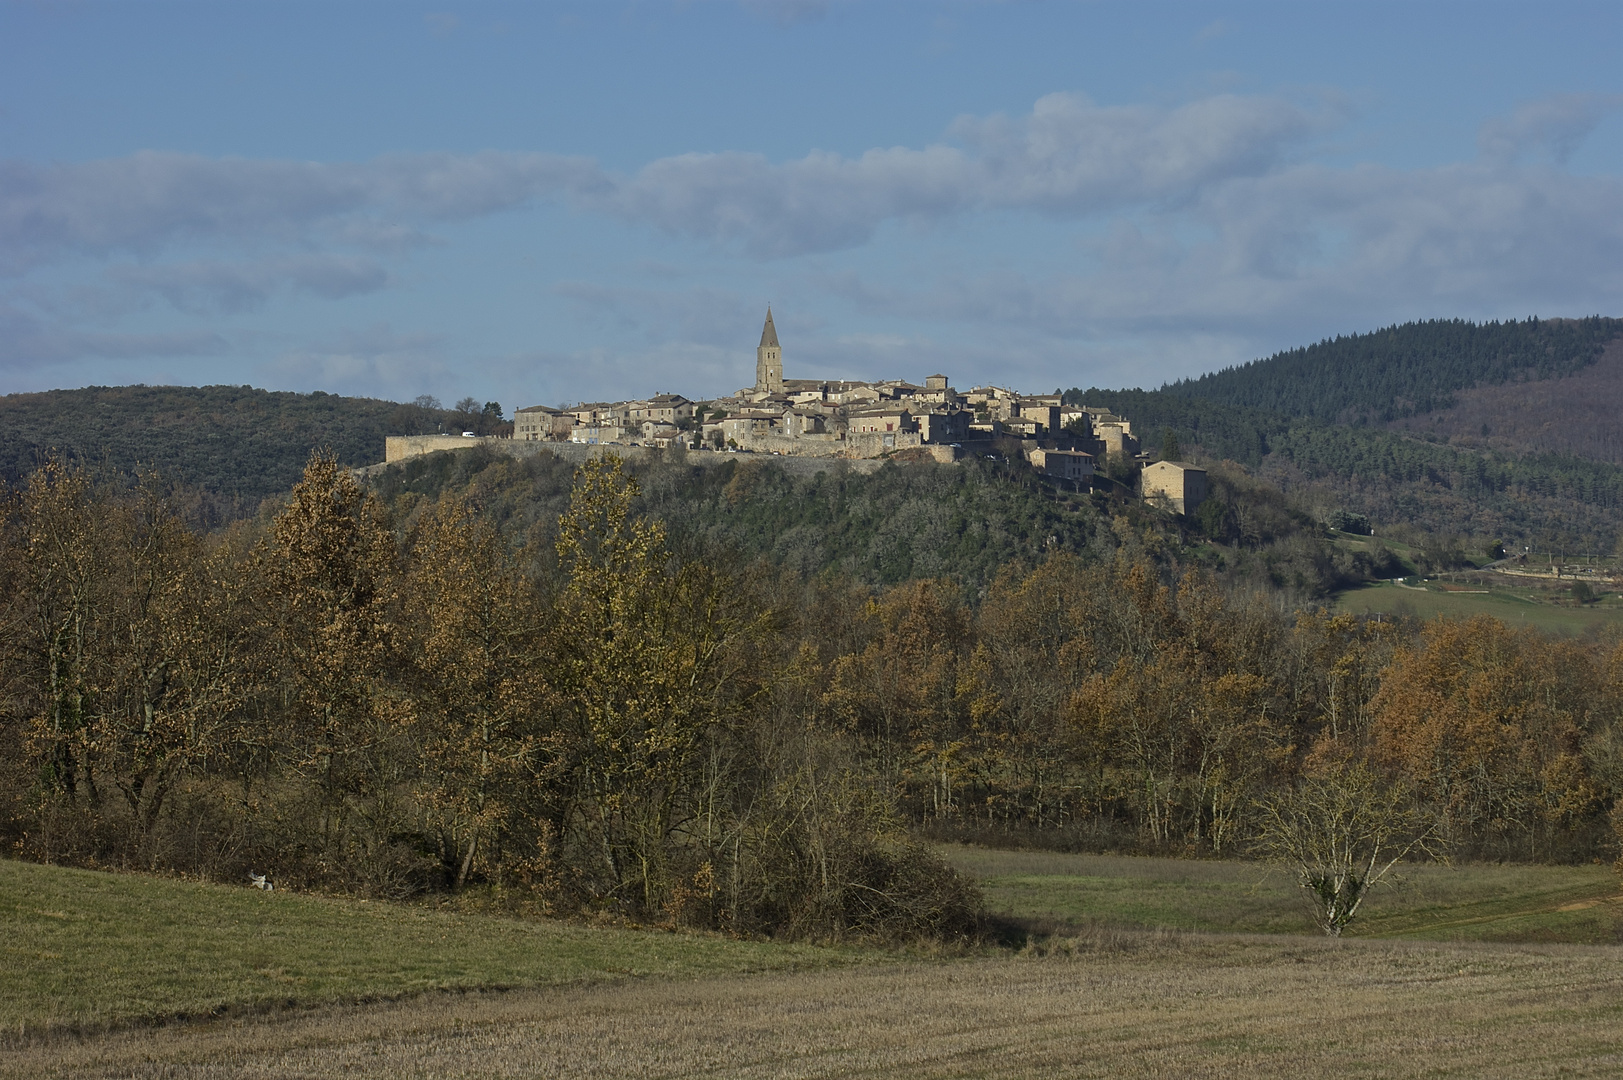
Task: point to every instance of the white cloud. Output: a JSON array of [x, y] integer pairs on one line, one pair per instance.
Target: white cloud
[[150, 201], [208, 287], [1068, 157], [1282, 257], [1556, 125], [28, 342], [1210, 219]]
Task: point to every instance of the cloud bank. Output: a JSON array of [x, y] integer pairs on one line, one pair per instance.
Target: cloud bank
[[1217, 216], [1068, 156]]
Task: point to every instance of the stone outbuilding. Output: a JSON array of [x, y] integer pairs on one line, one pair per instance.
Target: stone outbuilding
[[1180, 486]]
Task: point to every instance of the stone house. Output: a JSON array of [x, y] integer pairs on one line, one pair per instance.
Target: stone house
[[593, 434], [541, 424], [662, 409], [880, 418], [1044, 412], [943, 425], [1178, 485], [802, 421], [742, 426], [1075, 465], [655, 433], [589, 413]]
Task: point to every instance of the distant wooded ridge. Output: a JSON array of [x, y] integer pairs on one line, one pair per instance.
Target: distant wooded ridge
[[1405, 370], [236, 442], [1309, 419]]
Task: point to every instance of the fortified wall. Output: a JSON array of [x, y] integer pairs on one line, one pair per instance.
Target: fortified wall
[[400, 448]]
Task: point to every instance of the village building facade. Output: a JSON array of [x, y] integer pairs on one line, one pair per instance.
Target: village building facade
[[865, 419]]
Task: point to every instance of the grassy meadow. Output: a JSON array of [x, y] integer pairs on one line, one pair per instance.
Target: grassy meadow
[[1516, 606], [1135, 967], [87, 949], [1471, 902]]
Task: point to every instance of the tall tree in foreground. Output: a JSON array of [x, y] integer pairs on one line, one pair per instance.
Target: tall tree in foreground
[[329, 582], [60, 577], [481, 688], [648, 668], [119, 651], [171, 677], [1488, 724]]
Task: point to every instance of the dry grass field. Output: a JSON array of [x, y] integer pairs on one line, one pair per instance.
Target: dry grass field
[[125, 976], [1124, 1004]]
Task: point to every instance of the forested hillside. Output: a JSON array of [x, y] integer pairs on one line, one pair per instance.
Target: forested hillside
[[968, 522], [1575, 414], [234, 442], [1404, 370], [393, 697], [1392, 477], [900, 523]]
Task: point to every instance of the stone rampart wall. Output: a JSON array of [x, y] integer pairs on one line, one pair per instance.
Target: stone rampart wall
[[399, 448]]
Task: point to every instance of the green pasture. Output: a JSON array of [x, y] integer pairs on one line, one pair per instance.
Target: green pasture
[[1515, 606], [1473, 902], [84, 949], [80, 947]]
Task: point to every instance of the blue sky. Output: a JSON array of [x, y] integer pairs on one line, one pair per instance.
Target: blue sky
[[546, 203]]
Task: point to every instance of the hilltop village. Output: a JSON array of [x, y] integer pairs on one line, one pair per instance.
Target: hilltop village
[[859, 420]]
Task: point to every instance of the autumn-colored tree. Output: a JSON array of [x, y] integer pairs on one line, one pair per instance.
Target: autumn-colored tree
[[477, 627], [172, 676], [1189, 719], [1488, 724], [1603, 749], [329, 580], [1140, 720], [120, 646], [61, 585], [1033, 651], [648, 670], [897, 694], [1335, 666], [1238, 746]]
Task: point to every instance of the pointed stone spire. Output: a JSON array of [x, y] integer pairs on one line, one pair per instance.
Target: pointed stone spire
[[769, 359]]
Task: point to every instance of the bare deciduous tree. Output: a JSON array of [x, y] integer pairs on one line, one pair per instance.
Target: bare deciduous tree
[[1341, 832]]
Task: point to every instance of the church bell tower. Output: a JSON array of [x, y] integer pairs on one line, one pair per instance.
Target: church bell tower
[[769, 359]]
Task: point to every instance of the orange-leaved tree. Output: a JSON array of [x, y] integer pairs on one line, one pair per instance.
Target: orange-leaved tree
[[1488, 724]]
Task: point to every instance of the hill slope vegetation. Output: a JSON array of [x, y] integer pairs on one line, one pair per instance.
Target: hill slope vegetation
[[234, 442], [1405, 370]]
